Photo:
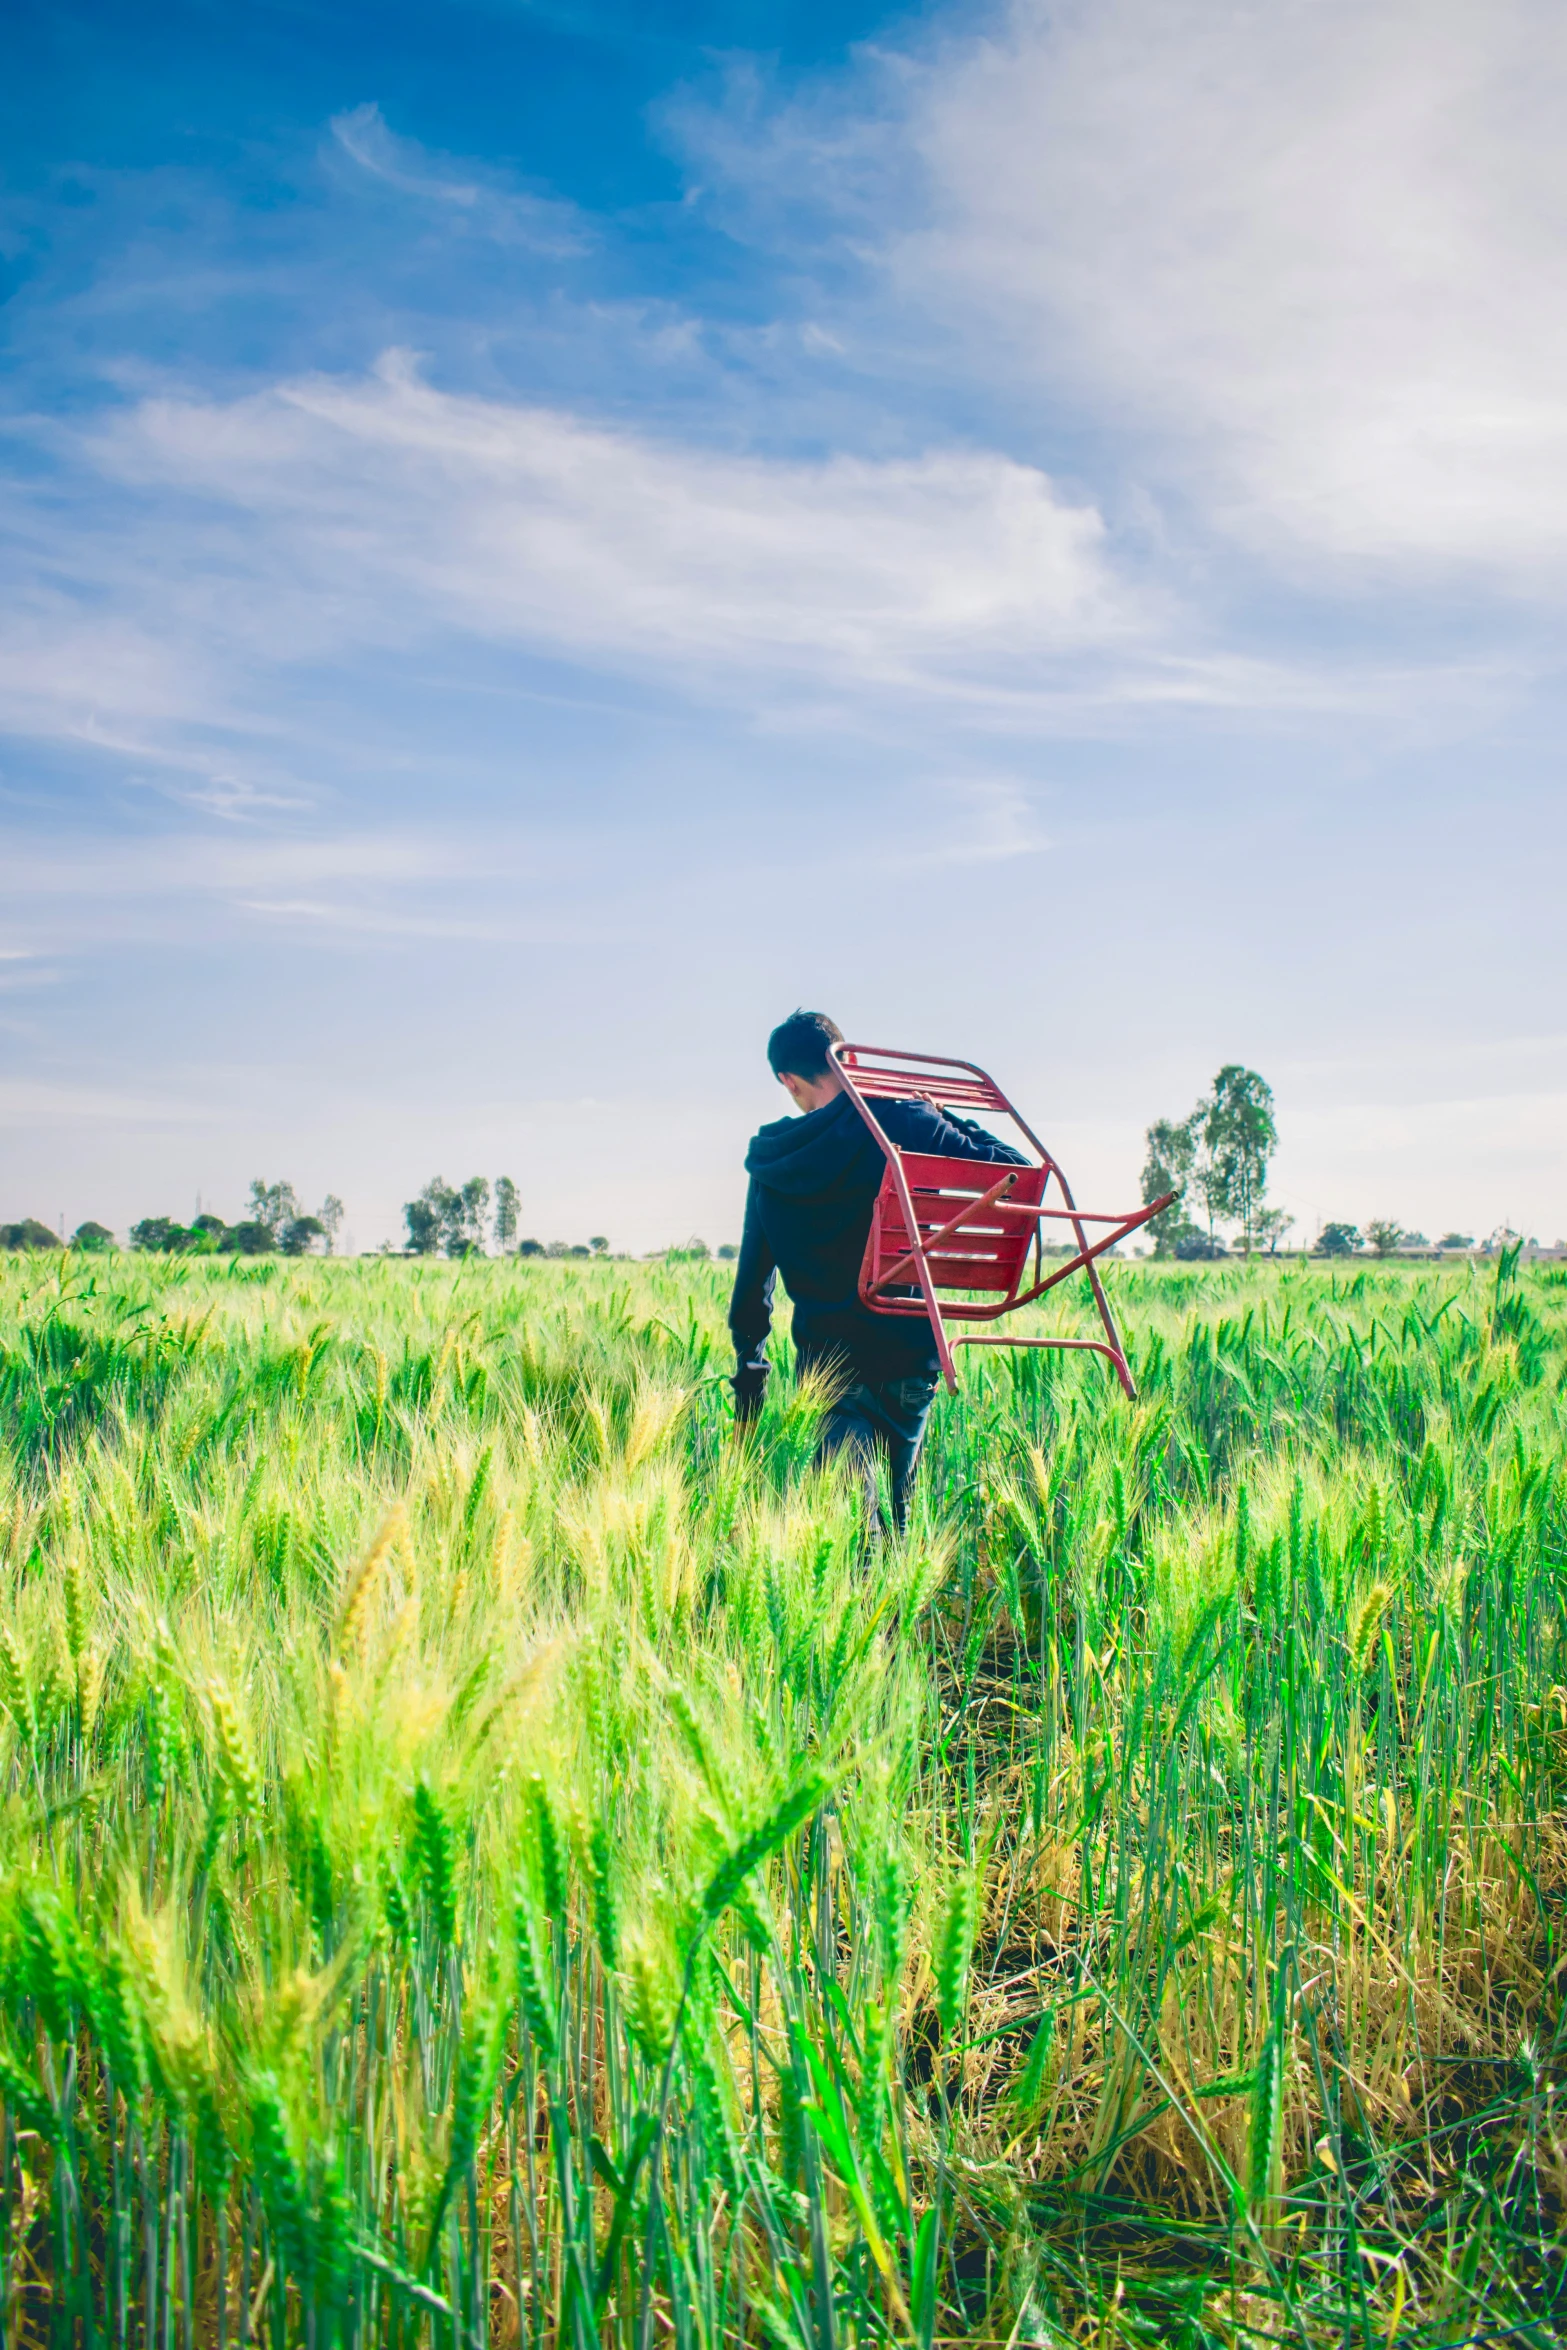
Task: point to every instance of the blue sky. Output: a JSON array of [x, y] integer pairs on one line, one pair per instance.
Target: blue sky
[[537, 538]]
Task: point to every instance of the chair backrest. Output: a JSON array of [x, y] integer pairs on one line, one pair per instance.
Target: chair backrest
[[988, 1253], [875, 1071]]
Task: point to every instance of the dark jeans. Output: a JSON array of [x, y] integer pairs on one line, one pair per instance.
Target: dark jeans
[[887, 1419]]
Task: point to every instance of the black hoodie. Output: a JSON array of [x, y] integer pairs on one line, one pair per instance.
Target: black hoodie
[[807, 1216]]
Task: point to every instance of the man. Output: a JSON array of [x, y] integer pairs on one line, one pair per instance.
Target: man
[[807, 1215]]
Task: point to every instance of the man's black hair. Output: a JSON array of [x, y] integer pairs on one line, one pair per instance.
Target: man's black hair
[[799, 1045]]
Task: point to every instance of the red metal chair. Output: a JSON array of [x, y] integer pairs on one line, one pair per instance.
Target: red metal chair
[[965, 1225]]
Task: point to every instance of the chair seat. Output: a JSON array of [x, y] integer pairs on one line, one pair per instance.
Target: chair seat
[[988, 1251]]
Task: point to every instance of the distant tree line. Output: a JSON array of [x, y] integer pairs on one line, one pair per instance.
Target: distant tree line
[[1385, 1237], [1214, 1160], [275, 1220], [445, 1220]]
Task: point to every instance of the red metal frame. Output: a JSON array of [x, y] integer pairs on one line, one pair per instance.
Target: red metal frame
[[966, 1224]]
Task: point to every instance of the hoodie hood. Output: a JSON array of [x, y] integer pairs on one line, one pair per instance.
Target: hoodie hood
[[806, 1158]]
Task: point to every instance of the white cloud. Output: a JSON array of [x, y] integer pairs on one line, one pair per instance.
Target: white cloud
[[1308, 252], [385, 509]]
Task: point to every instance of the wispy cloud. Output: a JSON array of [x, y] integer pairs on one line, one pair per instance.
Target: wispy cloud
[[370, 885], [461, 882], [208, 542], [27, 1102], [362, 133], [401, 506], [241, 863], [505, 214], [407, 922], [233, 797], [95, 675], [996, 821]]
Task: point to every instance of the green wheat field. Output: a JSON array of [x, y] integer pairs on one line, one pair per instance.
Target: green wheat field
[[484, 1860]]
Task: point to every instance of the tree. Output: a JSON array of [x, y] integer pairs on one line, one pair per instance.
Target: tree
[[464, 1233], [1209, 1187], [425, 1216], [1216, 1158], [274, 1205], [28, 1234], [507, 1206], [598, 1244], [530, 1248], [1384, 1235], [1338, 1240], [92, 1239], [299, 1233], [249, 1239], [442, 1217], [155, 1233], [1272, 1224], [330, 1216], [728, 1251], [1169, 1166], [1240, 1138], [1456, 1240]]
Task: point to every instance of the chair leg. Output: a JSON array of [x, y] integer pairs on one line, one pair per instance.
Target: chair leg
[[1115, 1350]]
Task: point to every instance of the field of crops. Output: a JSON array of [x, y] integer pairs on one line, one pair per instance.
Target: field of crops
[[484, 1860]]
